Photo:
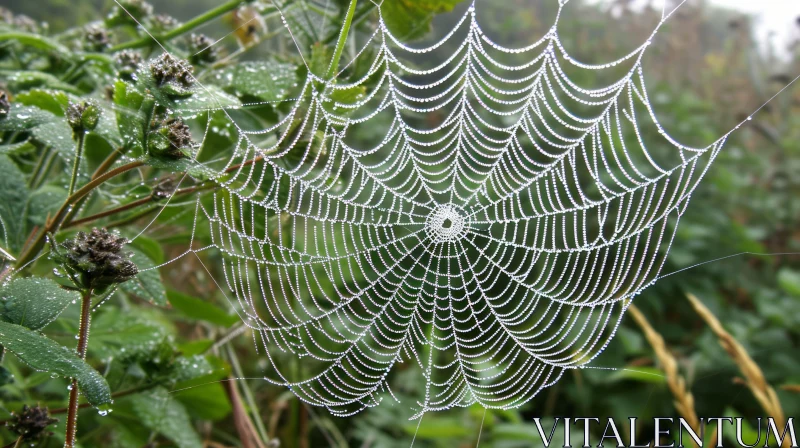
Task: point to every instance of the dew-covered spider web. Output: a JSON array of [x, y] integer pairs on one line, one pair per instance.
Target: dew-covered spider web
[[487, 218]]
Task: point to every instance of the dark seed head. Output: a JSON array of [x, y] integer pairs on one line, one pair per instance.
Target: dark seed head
[[97, 258], [163, 22], [83, 117], [164, 189], [202, 49], [172, 75], [25, 23], [31, 423], [127, 63], [96, 38], [5, 105], [129, 12], [170, 138]]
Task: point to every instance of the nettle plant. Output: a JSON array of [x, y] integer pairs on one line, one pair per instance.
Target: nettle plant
[[98, 127], [108, 129]]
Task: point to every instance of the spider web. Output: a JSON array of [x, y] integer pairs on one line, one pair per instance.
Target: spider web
[[492, 229]]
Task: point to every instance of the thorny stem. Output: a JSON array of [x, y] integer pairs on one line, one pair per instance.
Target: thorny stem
[[337, 53], [185, 28], [55, 222], [77, 163], [83, 340]]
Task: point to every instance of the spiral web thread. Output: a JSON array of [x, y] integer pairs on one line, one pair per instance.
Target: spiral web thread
[[495, 248]]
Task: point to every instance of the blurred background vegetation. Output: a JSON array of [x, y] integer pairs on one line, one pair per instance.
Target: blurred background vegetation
[[706, 71]]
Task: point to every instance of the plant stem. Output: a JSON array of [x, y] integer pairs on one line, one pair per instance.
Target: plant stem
[[337, 53], [125, 207], [77, 163], [54, 224], [83, 340], [185, 28], [362, 14], [248, 396]]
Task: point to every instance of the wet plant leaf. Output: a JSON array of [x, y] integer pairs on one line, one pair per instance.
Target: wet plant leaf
[[34, 302], [264, 80], [198, 309], [147, 284], [14, 194], [161, 412], [41, 353]]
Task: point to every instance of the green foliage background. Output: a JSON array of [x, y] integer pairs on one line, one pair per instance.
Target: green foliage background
[[167, 346]]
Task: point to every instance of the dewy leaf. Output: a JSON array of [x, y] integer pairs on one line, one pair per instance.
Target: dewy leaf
[[263, 80], [205, 98], [47, 128], [36, 41], [23, 118], [132, 115], [789, 281], [198, 309], [18, 81], [207, 402], [43, 354], [42, 203], [52, 101], [408, 19], [13, 195], [56, 102], [34, 302], [160, 412], [147, 283], [115, 333]]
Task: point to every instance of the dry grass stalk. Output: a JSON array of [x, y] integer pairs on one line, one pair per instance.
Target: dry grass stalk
[[684, 400], [791, 387], [753, 376]]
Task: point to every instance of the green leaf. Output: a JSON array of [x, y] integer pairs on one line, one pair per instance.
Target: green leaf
[[203, 99], [206, 402], [133, 115], [320, 59], [345, 97], [18, 81], [42, 203], [14, 194], [789, 281], [149, 247], [41, 353], [195, 347], [440, 428], [58, 135], [160, 412], [642, 374], [115, 333], [36, 41], [411, 19], [147, 284], [53, 101], [56, 102], [265, 80], [187, 165], [23, 118], [18, 149], [45, 127], [34, 302], [198, 309]]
